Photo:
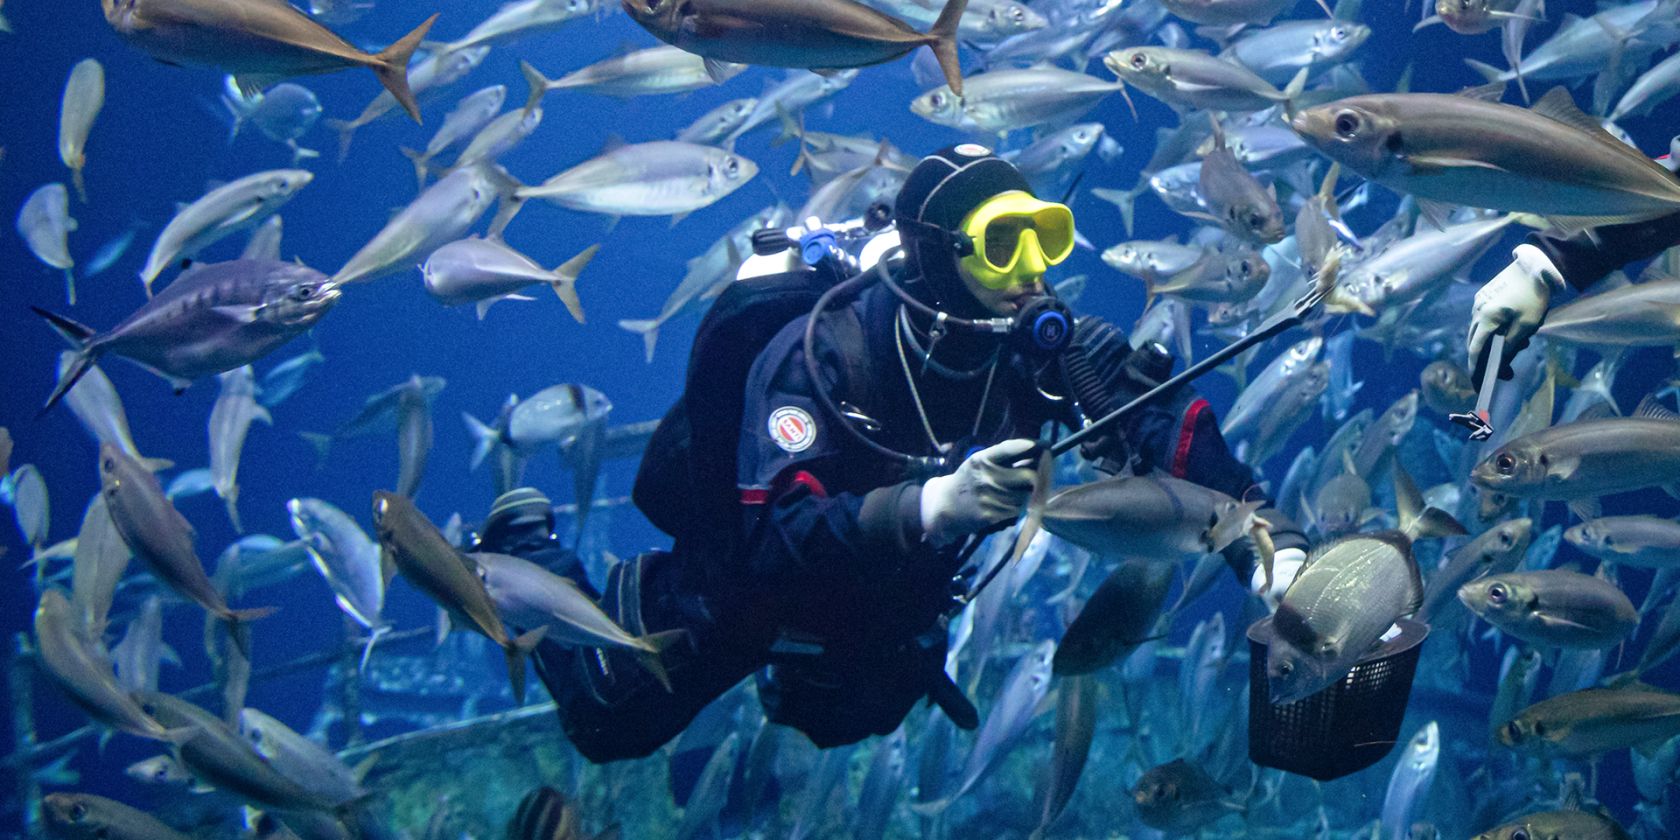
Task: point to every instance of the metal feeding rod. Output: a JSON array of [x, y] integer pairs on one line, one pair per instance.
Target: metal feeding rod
[[1478, 422]]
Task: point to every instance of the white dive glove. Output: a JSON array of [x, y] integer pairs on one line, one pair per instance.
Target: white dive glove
[[1513, 302], [986, 489], [1286, 564]]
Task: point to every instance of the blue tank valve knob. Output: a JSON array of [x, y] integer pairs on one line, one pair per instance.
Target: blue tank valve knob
[[818, 245], [1051, 330]]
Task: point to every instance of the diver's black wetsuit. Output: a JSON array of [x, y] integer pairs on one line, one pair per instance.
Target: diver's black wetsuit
[[826, 577], [1584, 259]]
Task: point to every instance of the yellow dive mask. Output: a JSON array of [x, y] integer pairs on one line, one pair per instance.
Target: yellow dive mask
[[1015, 238]]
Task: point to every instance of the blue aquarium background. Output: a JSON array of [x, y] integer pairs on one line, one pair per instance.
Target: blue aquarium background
[[163, 137]]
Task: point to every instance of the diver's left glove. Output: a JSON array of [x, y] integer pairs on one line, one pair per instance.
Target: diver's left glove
[[1286, 565], [989, 487]]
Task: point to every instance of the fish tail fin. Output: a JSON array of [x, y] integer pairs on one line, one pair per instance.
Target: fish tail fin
[[1417, 521], [247, 616], [649, 330], [1487, 71], [322, 444], [650, 658], [565, 280], [485, 438], [392, 67], [78, 336], [346, 130], [1292, 91], [516, 650], [421, 164], [231, 500], [156, 464], [1123, 199], [374, 636], [538, 83], [943, 42], [77, 181]]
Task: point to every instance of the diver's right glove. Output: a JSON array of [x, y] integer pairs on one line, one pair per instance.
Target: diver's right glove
[[986, 489], [1513, 302]]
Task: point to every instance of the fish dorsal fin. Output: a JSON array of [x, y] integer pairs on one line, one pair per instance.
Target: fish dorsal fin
[[1347, 461], [1558, 105], [1598, 411], [1652, 408], [1407, 500], [613, 144], [1491, 92]]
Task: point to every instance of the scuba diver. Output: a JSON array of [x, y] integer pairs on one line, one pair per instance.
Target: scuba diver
[[842, 447], [521, 523]]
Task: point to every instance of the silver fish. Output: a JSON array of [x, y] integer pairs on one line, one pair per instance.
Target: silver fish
[[649, 72], [663, 177], [230, 419], [1552, 161], [883, 783], [257, 39], [1640, 315], [500, 136], [84, 96], [1278, 53], [551, 417], [44, 222], [84, 816], [440, 215], [1347, 595], [1651, 542], [1582, 47], [283, 113], [484, 271], [217, 755], [714, 125], [347, 558], [1153, 517], [522, 18], [792, 95], [224, 210], [1413, 267], [788, 33], [1495, 551], [1408, 787], [1587, 458], [141, 652], [94, 402], [101, 559], [1291, 406], [82, 667], [1235, 200], [1192, 79], [314, 767], [264, 243], [711, 791], [708, 273], [1245, 413], [1593, 722], [26, 492], [1001, 101], [527, 595], [1553, 608], [213, 318], [1007, 719], [466, 119], [284, 379]]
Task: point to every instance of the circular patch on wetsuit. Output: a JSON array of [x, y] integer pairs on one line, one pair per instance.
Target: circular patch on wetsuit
[[972, 150], [792, 429]]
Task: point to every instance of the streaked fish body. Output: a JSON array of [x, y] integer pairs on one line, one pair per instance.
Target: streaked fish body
[[440, 215], [84, 96], [659, 178], [648, 72], [1587, 458], [82, 667], [1153, 517], [1277, 53], [227, 209], [230, 420], [213, 318], [1192, 79], [312, 766], [217, 755], [1651, 542], [1553, 608], [344, 554], [97, 407], [484, 271], [1000, 101], [1640, 315], [1495, 551], [1574, 825], [84, 816], [711, 127], [1593, 722], [1408, 786], [521, 18]]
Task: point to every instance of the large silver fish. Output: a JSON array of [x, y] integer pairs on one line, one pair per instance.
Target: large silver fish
[[1553, 608], [438, 69], [439, 216], [44, 222], [649, 72], [1493, 552], [1001, 101], [415, 547], [660, 178], [213, 318], [97, 407], [1007, 719], [82, 667], [1347, 595], [471, 114], [824, 35], [1154, 517], [1594, 721], [1586, 459], [1408, 787], [220, 757], [1192, 79], [157, 534], [1652, 542], [261, 41], [227, 209], [1552, 160], [314, 767], [342, 552], [485, 271], [1639, 315], [84, 816], [521, 18], [101, 559]]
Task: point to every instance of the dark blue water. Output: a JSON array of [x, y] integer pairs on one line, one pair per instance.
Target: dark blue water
[[161, 140]]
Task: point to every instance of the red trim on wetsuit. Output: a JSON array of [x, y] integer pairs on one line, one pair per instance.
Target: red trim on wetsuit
[[780, 487], [1187, 435]]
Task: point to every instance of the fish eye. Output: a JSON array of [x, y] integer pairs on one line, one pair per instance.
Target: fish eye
[[1513, 731], [1338, 33], [1505, 540], [1286, 669], [302, 292], [1609, 541], [937, 100], [1539, 729], [1347, 125], [1018, 13], [1255, 219], [1497, 593], [1139, 60], [78, 812], [734, 167], [1506, 463], [1520, 834]]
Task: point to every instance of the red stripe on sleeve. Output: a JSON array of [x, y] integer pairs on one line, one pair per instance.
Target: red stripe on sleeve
[[1186, 436]]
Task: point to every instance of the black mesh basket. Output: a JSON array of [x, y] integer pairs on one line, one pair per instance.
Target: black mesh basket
[[1342, 729]]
